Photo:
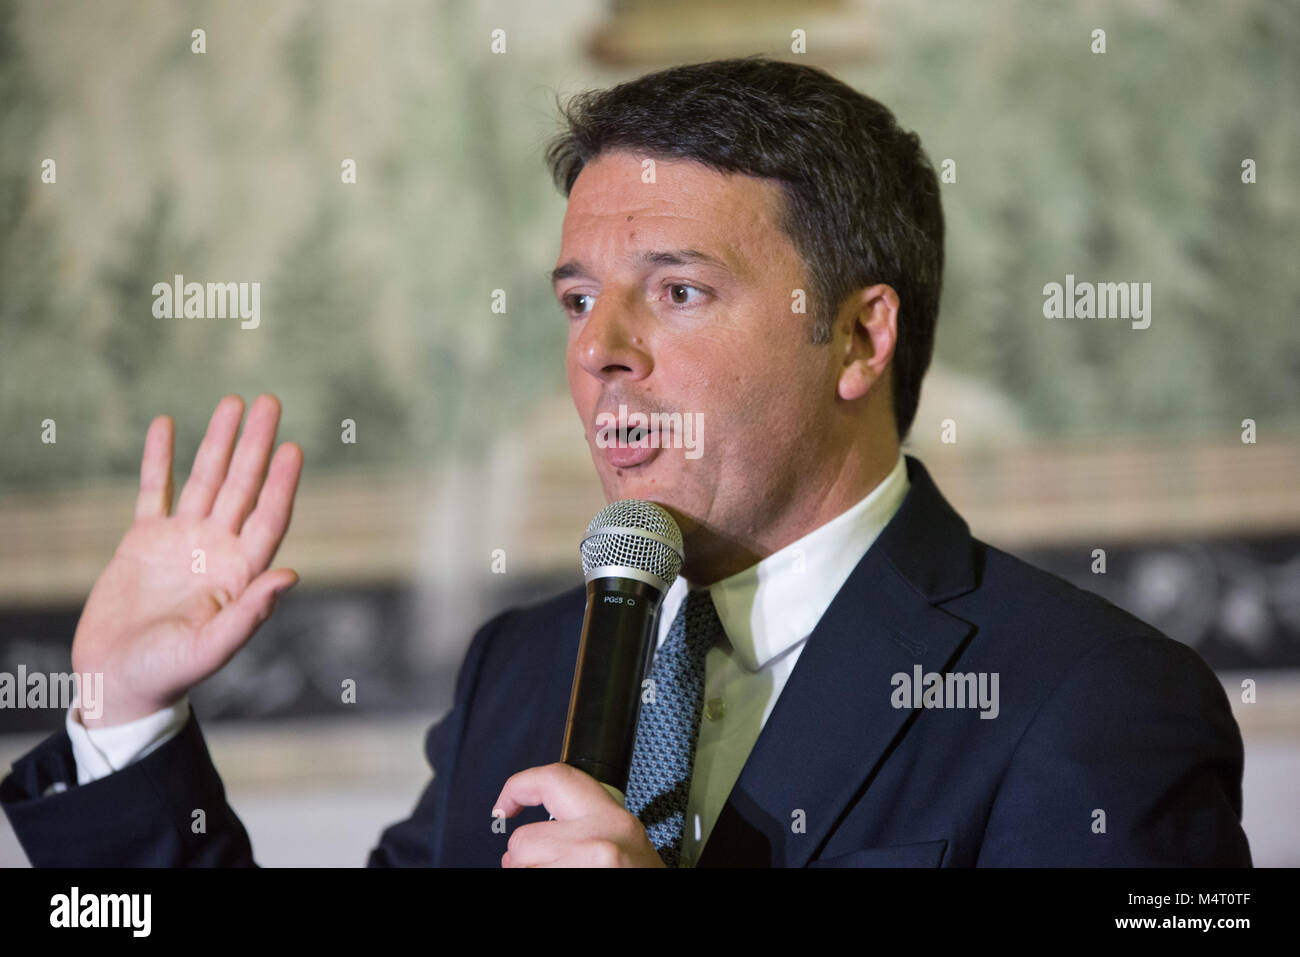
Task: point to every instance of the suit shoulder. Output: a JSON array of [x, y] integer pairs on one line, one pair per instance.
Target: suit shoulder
[[1038, 597], [525, 623], [1052, 625], [521, 636], [562, 603]]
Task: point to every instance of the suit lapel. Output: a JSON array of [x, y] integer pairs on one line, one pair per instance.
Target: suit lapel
[[833, 723]]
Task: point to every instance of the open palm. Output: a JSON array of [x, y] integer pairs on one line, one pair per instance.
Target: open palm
[[183, 592]]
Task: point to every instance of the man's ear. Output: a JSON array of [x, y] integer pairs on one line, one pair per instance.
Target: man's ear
[[870, 323]]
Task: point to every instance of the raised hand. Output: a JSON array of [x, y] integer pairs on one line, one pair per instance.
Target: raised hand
[[185, 591]]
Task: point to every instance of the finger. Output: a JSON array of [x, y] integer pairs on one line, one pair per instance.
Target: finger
[[155, 498], [542, 844], [212, 459], [563, 790], [248, 467], [265, 527], [227, 632]]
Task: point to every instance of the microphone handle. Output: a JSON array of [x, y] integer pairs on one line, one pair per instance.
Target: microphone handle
[[618, 642]]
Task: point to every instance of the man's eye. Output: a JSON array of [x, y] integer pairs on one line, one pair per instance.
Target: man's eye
[[571, 304], [677, 293]]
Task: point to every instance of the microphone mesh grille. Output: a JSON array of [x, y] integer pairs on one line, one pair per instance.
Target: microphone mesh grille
[[614, 538]]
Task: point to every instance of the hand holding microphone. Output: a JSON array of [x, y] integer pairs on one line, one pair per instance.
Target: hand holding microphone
[[631, 554]]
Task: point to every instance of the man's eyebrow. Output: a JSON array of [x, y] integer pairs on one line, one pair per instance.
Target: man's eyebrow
[[655, 257], [680, 257], [568, 270]]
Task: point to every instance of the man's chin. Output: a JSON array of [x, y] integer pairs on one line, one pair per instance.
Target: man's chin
[[664, 494]]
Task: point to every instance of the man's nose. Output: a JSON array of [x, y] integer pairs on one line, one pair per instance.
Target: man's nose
[[609, 345]]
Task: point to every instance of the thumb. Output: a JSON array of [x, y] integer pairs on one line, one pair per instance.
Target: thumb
[[231, 627]]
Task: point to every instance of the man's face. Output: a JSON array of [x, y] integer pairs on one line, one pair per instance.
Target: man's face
[[659, 329]]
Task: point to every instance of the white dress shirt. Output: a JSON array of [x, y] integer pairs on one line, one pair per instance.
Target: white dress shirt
[[767, 611]]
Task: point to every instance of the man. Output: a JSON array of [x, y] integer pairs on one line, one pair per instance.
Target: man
[[845, 676]]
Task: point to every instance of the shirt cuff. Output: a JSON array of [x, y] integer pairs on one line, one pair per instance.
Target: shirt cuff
[[99, 752]]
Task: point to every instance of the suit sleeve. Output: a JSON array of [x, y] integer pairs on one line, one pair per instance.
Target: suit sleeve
[[1135, 760], [417, 841], [141, 816]]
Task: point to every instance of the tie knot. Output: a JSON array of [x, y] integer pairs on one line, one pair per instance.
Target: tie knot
[[700, 619]]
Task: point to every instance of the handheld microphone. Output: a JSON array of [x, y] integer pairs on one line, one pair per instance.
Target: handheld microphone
[[631, 554]]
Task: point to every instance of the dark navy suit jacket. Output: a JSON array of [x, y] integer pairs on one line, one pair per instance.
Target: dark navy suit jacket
[[1113, 745]]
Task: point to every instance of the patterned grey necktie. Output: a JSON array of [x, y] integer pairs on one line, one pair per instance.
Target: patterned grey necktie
[[663, 755]]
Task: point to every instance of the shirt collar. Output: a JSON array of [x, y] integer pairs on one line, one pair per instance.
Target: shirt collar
[[775, 604]]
